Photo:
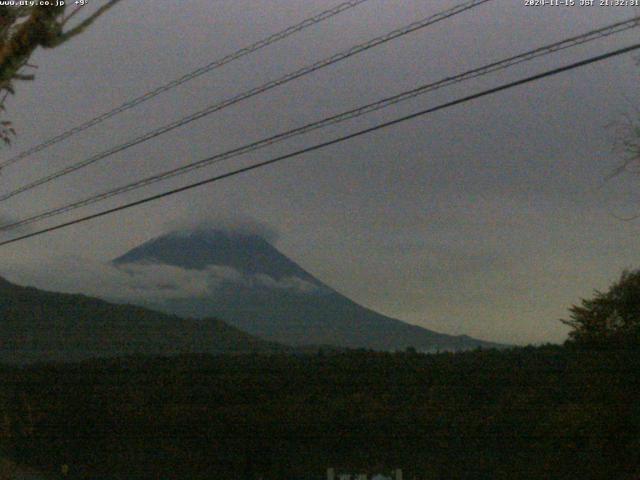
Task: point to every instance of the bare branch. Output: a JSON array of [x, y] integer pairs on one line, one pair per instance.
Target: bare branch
[[70, 16], [63, 37], [626, 219], [21, 76], [627, 143]]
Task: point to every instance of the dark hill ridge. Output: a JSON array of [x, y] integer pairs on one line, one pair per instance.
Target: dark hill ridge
[[37, 325], [315, 314]]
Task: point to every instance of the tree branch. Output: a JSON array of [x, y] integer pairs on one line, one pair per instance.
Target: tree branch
[[64, 21], [63, 37]]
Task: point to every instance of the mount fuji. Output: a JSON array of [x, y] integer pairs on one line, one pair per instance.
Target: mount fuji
[[249, 284]]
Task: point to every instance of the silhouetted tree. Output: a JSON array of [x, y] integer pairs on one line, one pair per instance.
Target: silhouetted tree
[[610, 319]]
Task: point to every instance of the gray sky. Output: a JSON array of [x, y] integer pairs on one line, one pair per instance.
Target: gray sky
[[485, 219]]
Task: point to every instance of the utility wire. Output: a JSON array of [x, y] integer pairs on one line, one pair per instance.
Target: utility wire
[[185, 78], [335, 119], [250, 93], [334, 141]]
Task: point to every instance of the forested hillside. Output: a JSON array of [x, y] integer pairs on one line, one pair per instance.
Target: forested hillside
[[549, 412], [37, 326]]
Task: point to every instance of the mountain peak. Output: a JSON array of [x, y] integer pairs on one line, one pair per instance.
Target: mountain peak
[[200, 248], [273, 297]]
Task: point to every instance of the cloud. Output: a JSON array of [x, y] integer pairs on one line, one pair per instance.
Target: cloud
[[287, 283], [203, 219], [175, 282], [161, 282], [73, 274], [136, 282]]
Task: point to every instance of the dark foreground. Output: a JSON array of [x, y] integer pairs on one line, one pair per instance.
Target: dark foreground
[[529, 413]]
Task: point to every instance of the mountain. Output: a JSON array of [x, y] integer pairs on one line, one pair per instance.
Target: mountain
[[256, 288], [37, 325]]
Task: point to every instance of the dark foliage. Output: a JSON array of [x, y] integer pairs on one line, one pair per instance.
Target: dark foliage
[[36, 325], [610, 319], [529, 413], [23, 29]]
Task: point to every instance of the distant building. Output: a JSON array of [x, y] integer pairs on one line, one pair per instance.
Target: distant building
[[332, 475]]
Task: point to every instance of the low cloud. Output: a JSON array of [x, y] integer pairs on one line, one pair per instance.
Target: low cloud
[[240, 224], [137, 282], [175, 282], [287, 283]]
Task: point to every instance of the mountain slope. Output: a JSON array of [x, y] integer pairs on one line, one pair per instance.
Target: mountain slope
[[37, 325], [259, 290]]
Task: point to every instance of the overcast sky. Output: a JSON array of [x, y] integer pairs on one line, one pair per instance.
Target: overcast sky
[[488, 219]]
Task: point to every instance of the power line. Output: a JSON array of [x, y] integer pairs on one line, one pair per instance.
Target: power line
[[250, 93], [334, 141], [276, 37], [335, 119]]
